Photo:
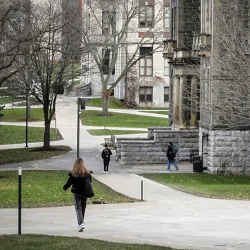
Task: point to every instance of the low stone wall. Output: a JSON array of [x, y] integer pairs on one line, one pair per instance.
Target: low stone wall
[[144, 151], [226, 151]]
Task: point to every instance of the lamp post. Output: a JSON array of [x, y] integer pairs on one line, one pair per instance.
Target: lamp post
[[27, 117], [80, 105], [78, 127]]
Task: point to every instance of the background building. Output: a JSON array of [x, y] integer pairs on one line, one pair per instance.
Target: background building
[[147, 82]]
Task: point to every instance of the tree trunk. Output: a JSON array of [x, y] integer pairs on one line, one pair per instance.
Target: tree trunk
[[105, 99], [46, 138]]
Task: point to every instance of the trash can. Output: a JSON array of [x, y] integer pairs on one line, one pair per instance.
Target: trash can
[[82, 104], [197, 164]]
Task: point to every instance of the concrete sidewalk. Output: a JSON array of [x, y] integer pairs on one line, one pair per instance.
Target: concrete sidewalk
[[167, 217]]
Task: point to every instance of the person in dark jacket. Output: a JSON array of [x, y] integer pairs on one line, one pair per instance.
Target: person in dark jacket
[[171, 157], [77, 179], [106, 158]]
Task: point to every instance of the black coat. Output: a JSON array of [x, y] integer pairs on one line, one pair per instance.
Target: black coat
[[169, 153], [106, 154], [78, 183]]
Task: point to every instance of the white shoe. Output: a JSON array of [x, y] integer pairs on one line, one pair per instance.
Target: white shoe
[[107, 172], [80, 227], [104, 172]]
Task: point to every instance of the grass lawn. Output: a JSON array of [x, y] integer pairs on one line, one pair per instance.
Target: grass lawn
[[32, 242], [19, 115], [100, 132], [44, 189], [206, 185], [116, 103], [17, 134], [30, 154], [95, 118], [113, 103], [9, 99]]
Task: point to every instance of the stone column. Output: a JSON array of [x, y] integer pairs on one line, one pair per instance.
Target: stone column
[[176, 101], [194, 102], [182, 111]]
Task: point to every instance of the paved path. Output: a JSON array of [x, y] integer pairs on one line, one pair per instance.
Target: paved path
[[166, 217]]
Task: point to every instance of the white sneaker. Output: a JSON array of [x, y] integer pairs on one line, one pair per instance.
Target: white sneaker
[[104, 172], [80, 227]]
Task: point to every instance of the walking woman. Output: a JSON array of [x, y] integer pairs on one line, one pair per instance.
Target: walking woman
[[77, 178]]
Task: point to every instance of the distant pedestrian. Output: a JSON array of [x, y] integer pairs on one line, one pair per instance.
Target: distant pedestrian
[[77, 178], [106, 158], [171, 154]]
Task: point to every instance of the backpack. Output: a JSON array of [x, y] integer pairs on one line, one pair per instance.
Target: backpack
[[174, 150], [106, 152]]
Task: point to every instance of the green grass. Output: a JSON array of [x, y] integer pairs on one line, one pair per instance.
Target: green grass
[[95, 118], [5, 100], [32, 242], [19, 115], [118, 104], [100, 132], [30, 154], [166, 112], [113, 103], [17, 134], [44, 189], [234, 187]]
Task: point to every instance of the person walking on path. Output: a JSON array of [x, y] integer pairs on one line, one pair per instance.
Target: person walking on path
[[77, 179], [171, 153], [106, 158]]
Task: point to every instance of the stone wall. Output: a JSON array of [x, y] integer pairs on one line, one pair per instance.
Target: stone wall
[[153, 150], [226, 151]]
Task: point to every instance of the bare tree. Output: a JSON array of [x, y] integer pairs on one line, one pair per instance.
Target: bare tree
[[111, 31], [225, 75], [12, 17], [48, 58]]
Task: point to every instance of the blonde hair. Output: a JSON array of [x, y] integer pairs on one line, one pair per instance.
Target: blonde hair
[[79, 169]]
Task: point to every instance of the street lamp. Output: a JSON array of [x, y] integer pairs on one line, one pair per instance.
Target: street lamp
[[27, 116], [80, 105]]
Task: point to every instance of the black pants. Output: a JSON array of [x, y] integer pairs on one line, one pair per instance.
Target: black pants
[[80, 201], [106, 164]]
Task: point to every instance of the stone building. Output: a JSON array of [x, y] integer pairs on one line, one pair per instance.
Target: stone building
[[209, 56], [224, 48], [184, 78]]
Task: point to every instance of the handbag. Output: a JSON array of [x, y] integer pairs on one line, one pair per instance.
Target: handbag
[[88, 189]]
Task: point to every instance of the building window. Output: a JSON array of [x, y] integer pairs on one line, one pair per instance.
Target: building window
[[108, 22], [166, 67], [166, 94], [166, 17], [146, 16], [106, 62], [146, 94], [146, 63]]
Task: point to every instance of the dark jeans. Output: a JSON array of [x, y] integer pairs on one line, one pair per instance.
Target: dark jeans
[[80, 205], [106, 164]]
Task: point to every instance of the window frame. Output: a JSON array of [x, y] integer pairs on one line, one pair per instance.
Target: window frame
[[106, 61], [144, 21], [166, 95], [108, 25], [143, 97], [143, 62], [167, 11]]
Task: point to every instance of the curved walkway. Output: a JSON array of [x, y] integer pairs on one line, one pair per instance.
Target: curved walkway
[[167, 217]]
